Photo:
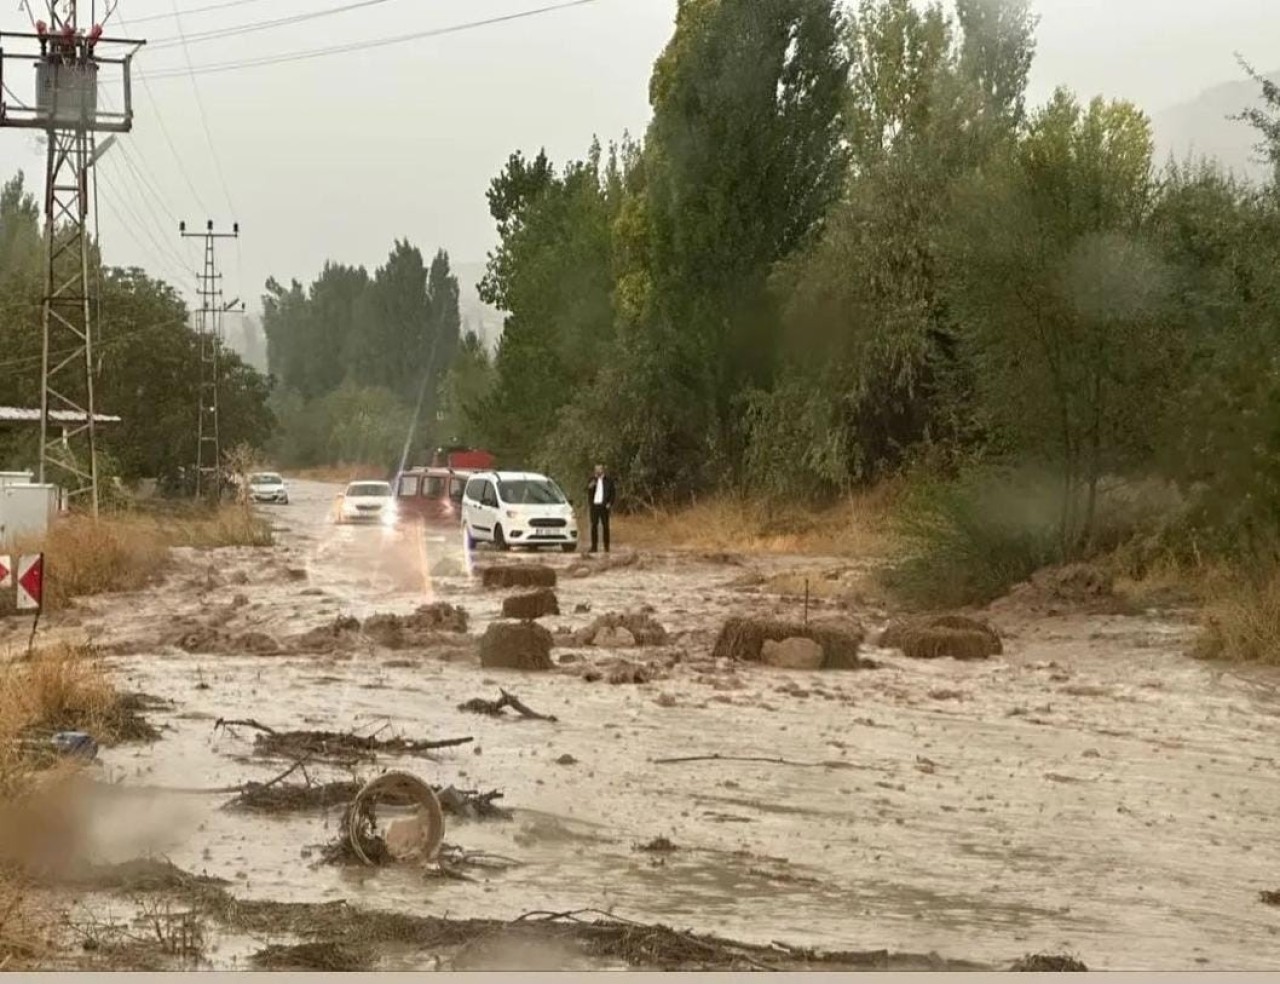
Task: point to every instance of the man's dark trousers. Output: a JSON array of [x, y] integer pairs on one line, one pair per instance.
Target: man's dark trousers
[[599, 519]]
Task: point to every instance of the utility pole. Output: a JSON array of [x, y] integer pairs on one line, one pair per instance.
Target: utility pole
[[64, 104], [208, 438]]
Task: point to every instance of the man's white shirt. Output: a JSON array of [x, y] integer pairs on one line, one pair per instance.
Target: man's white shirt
[[599, 492]]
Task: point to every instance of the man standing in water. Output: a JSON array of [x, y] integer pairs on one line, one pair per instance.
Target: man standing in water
[[600, 495]]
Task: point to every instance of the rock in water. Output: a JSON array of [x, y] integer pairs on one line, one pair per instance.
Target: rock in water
[[795, 653]]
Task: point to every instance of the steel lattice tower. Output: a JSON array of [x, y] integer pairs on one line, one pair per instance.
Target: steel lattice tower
[[208, 436], [65, 106]]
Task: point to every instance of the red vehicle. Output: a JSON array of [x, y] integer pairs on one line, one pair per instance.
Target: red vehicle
[[434, 494]]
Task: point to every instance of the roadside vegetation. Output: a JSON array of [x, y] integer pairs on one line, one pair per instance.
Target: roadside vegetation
[[130, 550], [847, 249], [59, 688]]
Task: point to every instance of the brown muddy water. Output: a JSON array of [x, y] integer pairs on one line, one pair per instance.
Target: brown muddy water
[[1090, 790]]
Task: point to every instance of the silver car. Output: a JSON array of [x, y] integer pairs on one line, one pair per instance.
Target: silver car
[[268, 487]]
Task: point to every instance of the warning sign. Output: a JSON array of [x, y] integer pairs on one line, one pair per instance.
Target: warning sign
[[31, 582], [6, 572]]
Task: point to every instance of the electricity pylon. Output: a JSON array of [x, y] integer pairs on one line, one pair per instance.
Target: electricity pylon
[[65, 106], [208, 438]]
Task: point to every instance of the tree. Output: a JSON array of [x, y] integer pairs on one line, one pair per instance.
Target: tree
[[874, 369], [1062, 299], [462, 391], [552, 276], [743, 158]]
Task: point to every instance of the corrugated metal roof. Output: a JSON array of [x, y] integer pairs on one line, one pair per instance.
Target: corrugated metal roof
[[32, 415]]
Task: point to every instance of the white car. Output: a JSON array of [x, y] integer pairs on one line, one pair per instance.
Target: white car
[[268, 487], [368, 502], [517, 509]]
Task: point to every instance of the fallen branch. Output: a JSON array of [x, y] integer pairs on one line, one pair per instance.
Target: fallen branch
[[494, 708], [330, 744], [754, 758]]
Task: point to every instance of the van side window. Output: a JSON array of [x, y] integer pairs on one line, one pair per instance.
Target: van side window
[[433, 487], [490, 497], [474, 489], [408, 485], [455, 490]]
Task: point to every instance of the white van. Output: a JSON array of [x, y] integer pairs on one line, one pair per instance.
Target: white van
[[517, 509]]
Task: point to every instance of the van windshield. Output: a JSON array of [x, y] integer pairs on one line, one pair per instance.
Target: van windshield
[[265, 478], [531, 492]]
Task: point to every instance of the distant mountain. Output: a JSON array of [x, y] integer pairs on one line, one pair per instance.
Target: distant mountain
[[477, 316], [1203, 128]]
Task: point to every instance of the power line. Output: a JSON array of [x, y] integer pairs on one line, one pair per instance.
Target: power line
[[236, 31], [363, 45], [204, 118], [197, 10], [34, 360], [164, 130]]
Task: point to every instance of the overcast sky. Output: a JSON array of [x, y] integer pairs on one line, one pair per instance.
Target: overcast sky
[[334, 157]]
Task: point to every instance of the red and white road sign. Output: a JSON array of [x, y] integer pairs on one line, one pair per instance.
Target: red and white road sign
[[31, 582], [6, 572]]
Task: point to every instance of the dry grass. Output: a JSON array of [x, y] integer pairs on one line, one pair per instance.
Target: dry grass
[[129, 551], [59, 688], [859, 526], [1242, 621], [65, 687]]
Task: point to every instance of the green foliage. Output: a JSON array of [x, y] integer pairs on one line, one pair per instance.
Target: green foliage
[[464, 389], [969, 540], [396, 330], [146, 354], [352, 425]]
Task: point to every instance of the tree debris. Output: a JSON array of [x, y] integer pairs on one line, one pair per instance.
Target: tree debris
[[330, 745], [494, 708]]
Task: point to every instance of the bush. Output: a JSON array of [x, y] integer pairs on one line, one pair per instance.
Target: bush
[[1242, 621], [968, 541]]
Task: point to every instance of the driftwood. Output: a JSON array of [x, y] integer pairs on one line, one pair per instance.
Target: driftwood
[[333, 744], [752, 758], [494, 708]]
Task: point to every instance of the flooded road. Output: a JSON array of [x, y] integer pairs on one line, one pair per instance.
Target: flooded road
[[1091, 789]]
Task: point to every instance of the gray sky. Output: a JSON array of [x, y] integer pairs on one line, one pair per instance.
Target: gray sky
[[333, 158]]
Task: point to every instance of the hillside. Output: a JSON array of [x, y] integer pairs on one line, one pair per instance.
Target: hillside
[[1202, 127]]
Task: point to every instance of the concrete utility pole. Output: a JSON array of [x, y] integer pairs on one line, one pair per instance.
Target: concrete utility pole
[[208, 438], [64, 104]]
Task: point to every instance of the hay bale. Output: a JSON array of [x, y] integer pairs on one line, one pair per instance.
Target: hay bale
[[792, 654], [607, 630], [613, 637], [516, 646], [942, 636], [518, 576], [743, 639], [534, 604], [257, 642], [418, 629]]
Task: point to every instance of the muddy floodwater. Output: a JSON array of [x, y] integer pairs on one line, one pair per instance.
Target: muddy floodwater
[[1091, 789]]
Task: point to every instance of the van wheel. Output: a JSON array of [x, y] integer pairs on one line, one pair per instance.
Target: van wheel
[[500, 541]]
